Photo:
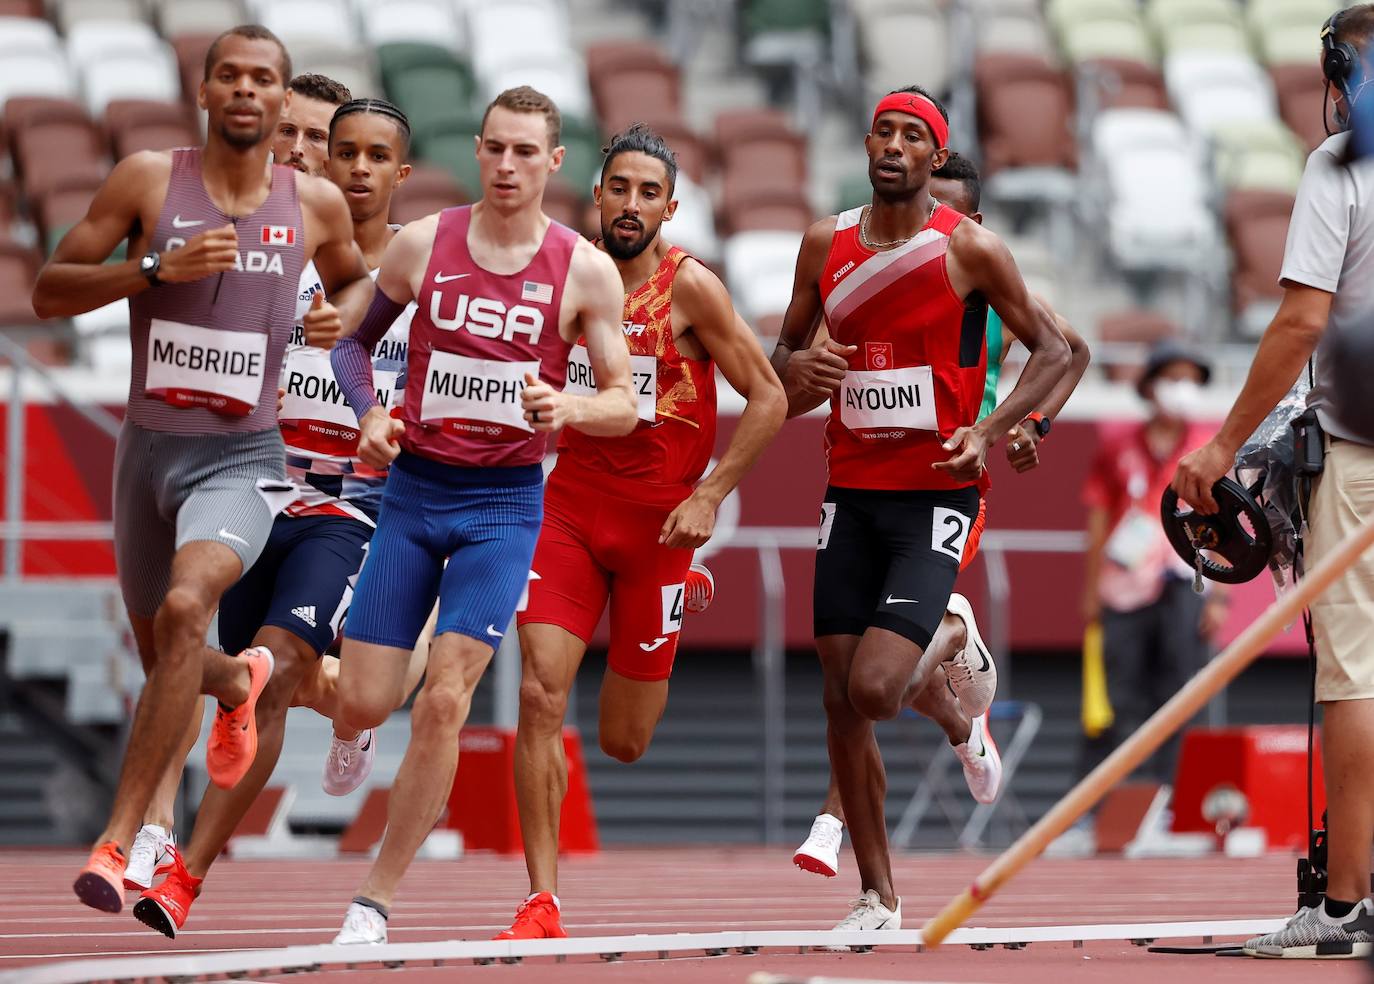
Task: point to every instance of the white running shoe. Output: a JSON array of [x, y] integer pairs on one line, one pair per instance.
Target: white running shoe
[[151, 855], [972, 674], [868, 912], [820, 853], [362, 924], [982, 762], [349, 763]]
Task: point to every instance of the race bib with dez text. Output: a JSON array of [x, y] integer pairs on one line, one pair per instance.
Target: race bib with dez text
[[888, 399], [475, 396], [220, 370], [643, 369]]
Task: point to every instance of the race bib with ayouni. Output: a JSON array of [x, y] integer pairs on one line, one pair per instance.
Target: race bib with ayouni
[[888, 399]]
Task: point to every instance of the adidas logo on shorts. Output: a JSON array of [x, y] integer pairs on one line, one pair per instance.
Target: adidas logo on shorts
[[306, 613]]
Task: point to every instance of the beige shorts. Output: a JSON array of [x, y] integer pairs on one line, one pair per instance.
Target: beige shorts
[[1343, 617]]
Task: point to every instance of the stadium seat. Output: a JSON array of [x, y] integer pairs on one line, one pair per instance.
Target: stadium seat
[[783, 33], [1206, 37], [21, 8], [509, 35], [1299, 87], [190, 50], [428, 189], [1063, 14], [122, 114], [39, 72], [435, 97], [308, 21], [582, 161], [92, 40], [904, 41], [69, 13], [759, 268], [1138, 328], [564, 203], [1025, 110], [431, 22], [559, 75], [1120, 83], [693, 154], [693, 226], [604, 58], [776, 159], [1257, 228], [1285, 31], [453, 148], [626, 94], [735, 125], [19, 34], [51, 155], [18, 270], [351, 65], [1211, 88], [22, 112], [396, 58], [144, 75], [1257, 155], [1013, 27], [155, 136], [854, 190], [749, 207], [61, 209], [1113, 36], [177, 17]]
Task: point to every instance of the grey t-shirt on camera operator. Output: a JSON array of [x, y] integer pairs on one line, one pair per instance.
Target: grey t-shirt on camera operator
[[1331, 247]]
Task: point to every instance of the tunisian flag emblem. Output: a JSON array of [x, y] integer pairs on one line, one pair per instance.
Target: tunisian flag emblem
[[278, 236]]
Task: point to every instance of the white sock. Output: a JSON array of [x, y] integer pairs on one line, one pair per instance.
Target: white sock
[[557, 903]]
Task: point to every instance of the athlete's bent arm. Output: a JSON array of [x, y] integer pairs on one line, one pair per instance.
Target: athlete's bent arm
[[598, 297], [1022, 442], [732, 345], [818, 369], [982, 262], [76, 278], [339, 261]]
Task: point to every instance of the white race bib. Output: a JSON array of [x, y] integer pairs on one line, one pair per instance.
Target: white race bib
[[313, 394], [643, 369], [479, 390], [220, 370], [889, 399], [1134, 538]]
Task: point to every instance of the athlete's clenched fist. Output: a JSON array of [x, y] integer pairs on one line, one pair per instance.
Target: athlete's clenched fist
[[212, 251], [819, 370], [322, 325], [970, 447], [546, 409], [690, 524], [381, 437]]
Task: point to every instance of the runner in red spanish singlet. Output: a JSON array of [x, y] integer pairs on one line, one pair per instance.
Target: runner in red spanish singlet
[[621, 515], [501, 293], [220, 239], [905, 282]]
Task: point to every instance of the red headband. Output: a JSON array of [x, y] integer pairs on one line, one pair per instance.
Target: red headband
[[914, 104]]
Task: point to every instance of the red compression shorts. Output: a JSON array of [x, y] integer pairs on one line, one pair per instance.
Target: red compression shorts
[[975, 534], [599, 542]]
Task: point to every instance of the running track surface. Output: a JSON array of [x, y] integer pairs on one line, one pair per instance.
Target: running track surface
[[261, 904]]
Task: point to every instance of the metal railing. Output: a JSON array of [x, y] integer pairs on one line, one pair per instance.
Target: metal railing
[[15, 530]]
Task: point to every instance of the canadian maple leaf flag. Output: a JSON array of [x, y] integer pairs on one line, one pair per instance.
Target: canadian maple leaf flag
[[278, 236]]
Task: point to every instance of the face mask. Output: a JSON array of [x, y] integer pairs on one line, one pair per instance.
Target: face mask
[[1180, 398]]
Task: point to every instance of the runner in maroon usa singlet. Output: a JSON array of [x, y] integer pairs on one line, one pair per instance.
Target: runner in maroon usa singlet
[[219, 241], [501, 293], [903, 286]]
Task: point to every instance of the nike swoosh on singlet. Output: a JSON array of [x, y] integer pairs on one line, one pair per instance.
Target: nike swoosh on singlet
[[439, 278], [900, 601], [179, 223]]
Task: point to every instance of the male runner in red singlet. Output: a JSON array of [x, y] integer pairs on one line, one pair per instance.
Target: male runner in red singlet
[[293, 599], [502, 293], [961, 687], [621, 516], [220, 240], [906, 282]]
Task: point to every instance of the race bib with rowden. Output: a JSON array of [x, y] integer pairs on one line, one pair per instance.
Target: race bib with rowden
[[643, 370], [478, 397], [219, 370], [314, 411], [888, 399]]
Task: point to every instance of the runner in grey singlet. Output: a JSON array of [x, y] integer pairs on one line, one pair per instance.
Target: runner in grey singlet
[[200, 455]]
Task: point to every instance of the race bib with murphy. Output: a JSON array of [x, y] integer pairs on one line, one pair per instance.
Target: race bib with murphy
[[475, 396]]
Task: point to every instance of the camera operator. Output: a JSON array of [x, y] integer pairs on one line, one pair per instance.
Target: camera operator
[[1327, 309]]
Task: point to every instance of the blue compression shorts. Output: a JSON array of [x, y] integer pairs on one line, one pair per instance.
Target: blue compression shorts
[[483, 521]]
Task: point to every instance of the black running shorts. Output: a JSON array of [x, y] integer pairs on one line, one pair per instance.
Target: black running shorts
[[889, 559]]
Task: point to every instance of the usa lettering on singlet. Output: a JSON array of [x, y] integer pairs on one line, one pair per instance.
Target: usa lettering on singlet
[[675, 396], [207, 354], [320, 429], [917, 374], [474, 336]]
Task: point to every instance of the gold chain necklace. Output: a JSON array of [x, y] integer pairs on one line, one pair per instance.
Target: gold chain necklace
[[869, 244]]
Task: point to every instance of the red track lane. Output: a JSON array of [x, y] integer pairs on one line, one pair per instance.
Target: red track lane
[[258, 904]]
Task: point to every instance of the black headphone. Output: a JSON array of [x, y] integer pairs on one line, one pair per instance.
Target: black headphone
[[1338, 58]]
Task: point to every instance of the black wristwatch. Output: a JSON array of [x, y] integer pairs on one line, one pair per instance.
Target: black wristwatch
[[1041, 424], [148, 265]]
